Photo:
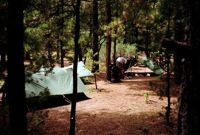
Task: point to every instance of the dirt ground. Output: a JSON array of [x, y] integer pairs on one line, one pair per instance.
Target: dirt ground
[[114, 109]]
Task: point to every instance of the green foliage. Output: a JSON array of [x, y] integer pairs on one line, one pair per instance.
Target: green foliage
[[126, 50], [89, 54], [35, 101], [34, 120], [46, 25], [146, 95], [162, 91], [87, 80], [145, 128], [152, 85], [158, 87]]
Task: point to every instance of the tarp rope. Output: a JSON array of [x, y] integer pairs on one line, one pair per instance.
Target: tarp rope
[[66, 99]]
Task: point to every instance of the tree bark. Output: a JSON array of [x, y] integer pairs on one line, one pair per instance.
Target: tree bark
[[189, 111], [80, 54], [147, 42], [16, 75], [108, 39], [176, 46], [61, 40], [115, 38], [179, 30], [95, 37], [75, 82]]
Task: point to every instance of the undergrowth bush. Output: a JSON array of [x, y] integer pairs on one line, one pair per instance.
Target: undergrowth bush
[[35, 118]]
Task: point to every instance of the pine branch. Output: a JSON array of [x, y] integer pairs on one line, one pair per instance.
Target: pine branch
[[176, 46]]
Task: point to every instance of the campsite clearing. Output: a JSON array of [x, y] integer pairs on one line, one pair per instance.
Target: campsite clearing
[[114, 109]]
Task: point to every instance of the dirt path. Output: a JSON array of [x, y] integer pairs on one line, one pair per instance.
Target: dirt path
[[126, 97], [113, 109]]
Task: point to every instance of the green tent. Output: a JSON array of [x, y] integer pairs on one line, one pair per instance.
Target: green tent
[[58, 82], [149, 63], [81, 70]]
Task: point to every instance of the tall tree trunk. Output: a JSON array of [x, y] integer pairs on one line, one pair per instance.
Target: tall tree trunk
[[108, 39], [189, 110], [3, 49], [75, 82], [49, 50], [125, 32], [61, 40], [115, 39], [177, 55], [58, 49], [147, 42], [3, 58], [80, 54], [16, 75], [95, 37], [168, 108], [62, 51]]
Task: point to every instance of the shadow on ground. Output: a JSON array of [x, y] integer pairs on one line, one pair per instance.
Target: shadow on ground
[[54, 101]]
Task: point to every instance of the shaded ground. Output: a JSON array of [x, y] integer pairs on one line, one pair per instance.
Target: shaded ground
[[114, 109]]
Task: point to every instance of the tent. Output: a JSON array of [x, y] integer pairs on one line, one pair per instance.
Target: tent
[[130, 62], [59, 82], [155, 68], [81, 70]]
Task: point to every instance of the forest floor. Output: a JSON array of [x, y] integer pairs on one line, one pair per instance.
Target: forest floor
[[115, 109]]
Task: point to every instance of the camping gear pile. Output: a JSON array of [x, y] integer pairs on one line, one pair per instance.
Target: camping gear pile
[[144, 66]]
